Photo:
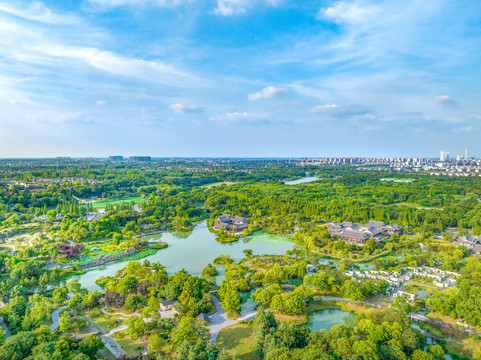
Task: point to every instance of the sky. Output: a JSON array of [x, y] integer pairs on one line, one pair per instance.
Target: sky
[[240, 78]]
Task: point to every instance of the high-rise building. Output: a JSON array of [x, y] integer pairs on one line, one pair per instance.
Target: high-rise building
[[137, 159], [116, 158]]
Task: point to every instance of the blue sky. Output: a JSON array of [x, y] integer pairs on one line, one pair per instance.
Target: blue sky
[[240, 78]]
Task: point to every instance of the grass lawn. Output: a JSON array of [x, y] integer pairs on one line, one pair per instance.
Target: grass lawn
[[237, 340], [115, 202], [109, 322], [131, 347], [208, 186]]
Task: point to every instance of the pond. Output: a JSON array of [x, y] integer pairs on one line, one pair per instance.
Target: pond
[[193, 250], [302, 180], [326, 319]]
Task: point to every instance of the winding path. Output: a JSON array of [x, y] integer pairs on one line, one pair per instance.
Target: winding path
[[56, 318]]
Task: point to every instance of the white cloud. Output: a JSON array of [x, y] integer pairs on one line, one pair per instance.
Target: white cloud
[[115, 3], [463, 129], [180, 108], [267, 93], [234, 7], [63, 118], [445, 100], [110, 62], [100, 102], [19, 101], [321, 108], [342, 111], [236, 117], [343, 12], [38, 12]]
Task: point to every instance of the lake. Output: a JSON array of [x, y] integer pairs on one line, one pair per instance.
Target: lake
[[326, 319], [193, 250], [302, 180], [399, 180]]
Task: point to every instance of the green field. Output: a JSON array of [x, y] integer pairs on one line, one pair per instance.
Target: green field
[[131, 347], [237, 340], [101, 204]]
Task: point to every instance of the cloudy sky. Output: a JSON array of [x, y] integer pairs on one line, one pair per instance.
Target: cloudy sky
[[240, 77]]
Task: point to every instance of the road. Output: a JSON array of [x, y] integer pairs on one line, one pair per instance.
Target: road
[[56, 317], [219, 320]]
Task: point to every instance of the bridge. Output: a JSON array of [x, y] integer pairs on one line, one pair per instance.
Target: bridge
[[433, 338]]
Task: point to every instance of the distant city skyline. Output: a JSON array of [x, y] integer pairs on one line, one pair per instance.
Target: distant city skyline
[[240, 78]]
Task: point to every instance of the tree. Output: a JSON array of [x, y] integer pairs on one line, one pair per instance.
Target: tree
[[62, 348], [365, 350], [436, 351], [3, 336], [155, 342], [136, 327], [188, 329], [352, 291], [264, 324], [421, 355], [247, 252], [294, 303], [90, 345], [59, 295], [18, 346], [293, 335], [64, 322], [75, 301], [74, 286], [230, 298], [133, 302], [401, 305]]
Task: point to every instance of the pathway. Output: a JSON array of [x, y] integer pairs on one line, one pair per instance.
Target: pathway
[[117, 329], [56, 318], [12, 246], [119, 313], [219, 320], [112, 345]]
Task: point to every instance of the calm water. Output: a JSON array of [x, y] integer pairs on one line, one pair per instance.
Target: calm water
[[398, 180], [302, 180], [193, 250], [326, 319]]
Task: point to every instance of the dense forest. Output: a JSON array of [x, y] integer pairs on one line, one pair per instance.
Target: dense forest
[[54, 217]]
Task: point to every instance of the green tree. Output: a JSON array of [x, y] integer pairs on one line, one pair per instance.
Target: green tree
[[155, 342], [90, 345], [136, 327], [229, 297]]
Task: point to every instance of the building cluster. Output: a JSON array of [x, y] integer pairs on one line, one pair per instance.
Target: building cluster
[[472, 242], [358, 234], [392, 161], [455, 168], [461, 166], [391, 277], [232, 224], [40, 183], [441, 278]]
